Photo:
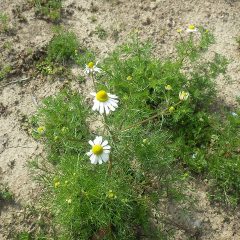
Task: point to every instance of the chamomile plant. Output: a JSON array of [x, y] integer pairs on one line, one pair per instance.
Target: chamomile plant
[[160, 129]]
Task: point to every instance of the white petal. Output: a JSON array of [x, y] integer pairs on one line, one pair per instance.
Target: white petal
[[111, 107], [95, 106], [100, 140], [191, 30], [101, 108], [113, 102], [106, 147], [107, 110], [112, 95], [105, 143], [91, 142], [93, 159], [89, 153], [96, 141], [105, 157], [97, 159], [106, 151], [87, 70], [100, 160], [93, 94], [96, 69]]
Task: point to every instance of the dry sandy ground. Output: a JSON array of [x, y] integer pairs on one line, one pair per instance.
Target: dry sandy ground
[[157, 20]]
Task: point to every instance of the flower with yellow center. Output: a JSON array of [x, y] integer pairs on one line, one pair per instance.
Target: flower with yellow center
[[191, 28], [171, 109], [90, 65], [104, 102], [168, 87], [100, 150], [41, 130], [183, 96], [92, 68]]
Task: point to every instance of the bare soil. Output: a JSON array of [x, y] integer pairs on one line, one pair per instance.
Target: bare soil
[[24, 44]]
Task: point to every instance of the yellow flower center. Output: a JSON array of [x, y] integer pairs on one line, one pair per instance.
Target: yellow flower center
[[168, 87], [102, 96], [191, 27], [41, 129], [97, 149], [90, 65], [129, 78], [171, 109]]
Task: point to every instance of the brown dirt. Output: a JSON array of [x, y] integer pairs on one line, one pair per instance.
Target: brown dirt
[[157, 20]]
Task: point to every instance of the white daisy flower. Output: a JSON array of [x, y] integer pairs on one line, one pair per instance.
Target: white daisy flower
[[183, 96], [104, 102], [100, 150], [191, 28], [92, 68], [234, 114]]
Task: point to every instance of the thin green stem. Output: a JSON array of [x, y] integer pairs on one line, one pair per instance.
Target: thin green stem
[[112, 136], [149, 118], [93, 80]]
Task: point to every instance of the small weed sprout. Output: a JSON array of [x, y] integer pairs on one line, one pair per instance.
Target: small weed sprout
[[62, 47], [4, 71], [101, 32], [4, 22], [238, 41], [49, 9], [5, 194]]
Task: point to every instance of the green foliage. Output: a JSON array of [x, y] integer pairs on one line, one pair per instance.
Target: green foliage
[[46, 67], [28, 236], [49, 9], [101, 32], [62, 123], [23, 236], [62, 47], [84, 56], [224, 161], [191, 49], [4, 22], [94, 201], [156, 138], [238, 41], [4, 71], [5, 194], [141, 81]]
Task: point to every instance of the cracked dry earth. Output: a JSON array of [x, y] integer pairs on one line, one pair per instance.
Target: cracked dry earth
[[157, 20]]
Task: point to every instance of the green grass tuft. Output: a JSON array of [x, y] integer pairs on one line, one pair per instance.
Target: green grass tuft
[[62, 47], [49, 9]]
